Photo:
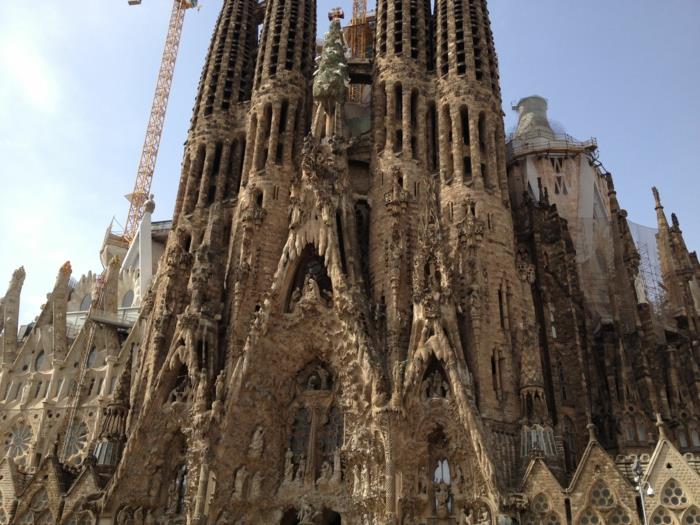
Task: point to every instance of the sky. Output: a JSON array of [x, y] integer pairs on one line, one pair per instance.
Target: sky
[[77, 79]]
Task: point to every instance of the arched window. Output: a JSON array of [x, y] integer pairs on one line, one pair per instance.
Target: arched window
[[540, 504], [691, 516], [601, 496], [641, 429], [441, 474], [180, 488], [86, 302], [590, 517], [662, 516], [694, 435], [314, 442], [92, 357], [128, 299], [435, 384], [619, 517], [310, 266], [39, 361], [673, 495], [569, 444]]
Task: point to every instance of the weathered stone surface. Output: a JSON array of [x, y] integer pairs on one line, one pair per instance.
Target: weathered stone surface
[[391, 327]]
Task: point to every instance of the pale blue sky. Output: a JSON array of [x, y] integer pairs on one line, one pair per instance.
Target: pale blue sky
[[77, 77]]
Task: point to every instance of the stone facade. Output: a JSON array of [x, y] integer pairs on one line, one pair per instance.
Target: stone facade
[[423, 323]]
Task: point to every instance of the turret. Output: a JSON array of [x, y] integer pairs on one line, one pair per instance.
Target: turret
[[679, 273], [58, 304], [403, 161], [211, 170], [9, 308], [278, 119]]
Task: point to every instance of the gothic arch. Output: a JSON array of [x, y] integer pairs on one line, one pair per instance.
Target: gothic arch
[[589, 516], [308, 263], [662, 516], [434, 384], [314, 427], [673, 495], [691, 516]]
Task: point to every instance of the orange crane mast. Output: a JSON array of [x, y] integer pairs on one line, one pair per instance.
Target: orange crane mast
[[149, 153]]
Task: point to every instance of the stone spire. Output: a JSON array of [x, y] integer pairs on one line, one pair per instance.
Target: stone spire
[[278, 120], [59, 305], [679, 269], [404, 125], [9, 309], [211, 169]]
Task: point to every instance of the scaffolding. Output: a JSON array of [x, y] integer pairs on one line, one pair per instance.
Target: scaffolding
[[649, 265], [358, 35]]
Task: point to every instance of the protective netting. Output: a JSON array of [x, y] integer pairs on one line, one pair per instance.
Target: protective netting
[[649, 263], [593, 238]]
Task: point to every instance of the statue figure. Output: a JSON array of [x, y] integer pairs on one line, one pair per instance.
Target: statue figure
[[336, 466], [257, 443], [466, 518], [256, 486], [365, 480], [484, 517], [239, 482], [326, 471], [323, 375], [301, 469], [307, 514], [425, 388], [201, 399], [422, 481], [219, 387], [289, 466], [356, 480], [442, 497], [125, 517], [457, 479]]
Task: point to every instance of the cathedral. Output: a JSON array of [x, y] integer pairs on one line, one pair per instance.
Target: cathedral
[[371, 306]]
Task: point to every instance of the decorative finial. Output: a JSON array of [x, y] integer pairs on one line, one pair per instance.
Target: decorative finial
[[660, 425], [336, 13], [591, 431], [66, 269], [150, 205], [657, 198], [674, 221]]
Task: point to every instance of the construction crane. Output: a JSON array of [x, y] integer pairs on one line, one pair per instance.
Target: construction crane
[[154, 131]]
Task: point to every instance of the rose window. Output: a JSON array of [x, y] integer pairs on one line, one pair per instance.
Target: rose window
[[18, 441], [673, 495], [589, 517], [77, 440], [601, 496], [540, 504], [662, 517], [692, 516], [552, 519], [620, 517]]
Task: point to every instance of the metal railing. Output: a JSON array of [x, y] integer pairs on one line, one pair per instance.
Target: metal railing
[[76, 320], [522, 144]]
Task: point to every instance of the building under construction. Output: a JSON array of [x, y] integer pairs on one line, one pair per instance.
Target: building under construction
[[371, 306]]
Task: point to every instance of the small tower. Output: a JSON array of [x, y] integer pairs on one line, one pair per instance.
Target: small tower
[[679, 270], [404, 127]]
